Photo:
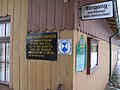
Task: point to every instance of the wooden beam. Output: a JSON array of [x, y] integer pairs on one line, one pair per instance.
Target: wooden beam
[[114, 29], [112, 24]]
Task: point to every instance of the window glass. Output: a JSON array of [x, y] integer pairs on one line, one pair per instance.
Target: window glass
[[93, 55], [7, 72], [2, 51], [7, 29], [2, 30], [118, 7], [7, 52], [2, 71]]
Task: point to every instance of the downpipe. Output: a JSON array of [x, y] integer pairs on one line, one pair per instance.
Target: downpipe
[[110, 57]]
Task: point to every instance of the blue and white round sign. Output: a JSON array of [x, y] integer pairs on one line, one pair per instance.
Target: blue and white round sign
[[65, 46]]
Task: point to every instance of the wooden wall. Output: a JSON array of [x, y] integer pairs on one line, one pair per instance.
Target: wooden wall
[[50, 15], [42, 75], [101, 28], [32, 74], [99, 78], [18, 10]]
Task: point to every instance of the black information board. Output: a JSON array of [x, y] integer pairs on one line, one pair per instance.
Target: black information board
[[42, 46]]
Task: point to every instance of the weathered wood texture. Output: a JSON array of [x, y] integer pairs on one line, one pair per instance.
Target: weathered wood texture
[[99, 78], [18, 10], [35, 75], [57, 15], [50, 15], [43, 75], [98, 28]]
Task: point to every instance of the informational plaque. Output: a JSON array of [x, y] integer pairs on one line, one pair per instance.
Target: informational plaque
[[80, 55], [42, 46]]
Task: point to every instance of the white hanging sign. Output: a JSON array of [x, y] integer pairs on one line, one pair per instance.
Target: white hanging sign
[[97, 11]]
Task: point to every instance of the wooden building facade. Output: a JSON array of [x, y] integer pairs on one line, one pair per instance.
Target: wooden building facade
[[33, 16]]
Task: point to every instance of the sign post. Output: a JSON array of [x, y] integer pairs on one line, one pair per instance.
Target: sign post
[[97, 11]]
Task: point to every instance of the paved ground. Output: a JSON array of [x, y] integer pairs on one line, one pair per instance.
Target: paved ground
[[3, 87], [115, 78]]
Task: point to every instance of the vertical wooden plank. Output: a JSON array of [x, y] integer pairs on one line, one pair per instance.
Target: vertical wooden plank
[[80, 21], [29, 15], [35, 15], [84, 22], [63, 17], [23, 31], [69, 15], [77, 13], [32, 75], [0, 7], [106, 65], [16, 43], [88, 27], [75, 40], [40, 75], [59, 14], [47, 74], [65, 73], [10, 7], [66, 64], [43, 15], [98, 79], [53, 77], [50, 14], [11, 51], [4, 7]]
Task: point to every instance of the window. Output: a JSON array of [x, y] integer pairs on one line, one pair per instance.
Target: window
[[92, 62], [4, 51]]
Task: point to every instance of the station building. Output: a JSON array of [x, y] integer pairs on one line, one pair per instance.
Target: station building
[[21, 18]]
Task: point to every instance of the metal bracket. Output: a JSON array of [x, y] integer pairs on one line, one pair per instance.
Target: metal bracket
[[79, 10]]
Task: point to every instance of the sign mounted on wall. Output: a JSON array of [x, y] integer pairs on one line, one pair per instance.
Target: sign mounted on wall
[[42, 46], [97, 11], [65, 46], [80, 55]]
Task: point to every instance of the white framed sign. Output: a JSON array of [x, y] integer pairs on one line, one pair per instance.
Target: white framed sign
[[65, 46], [97, 11]]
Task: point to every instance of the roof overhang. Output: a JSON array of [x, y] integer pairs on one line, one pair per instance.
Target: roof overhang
[[114, 21]]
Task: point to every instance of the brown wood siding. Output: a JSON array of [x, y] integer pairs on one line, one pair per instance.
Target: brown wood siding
[[43, 15], [98, 28], [50, 10], [42, 75], [99, 78], [50, 15], [35, 15]]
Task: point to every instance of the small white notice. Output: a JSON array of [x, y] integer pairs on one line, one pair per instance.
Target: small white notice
[[65, 46], [97, 11]]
